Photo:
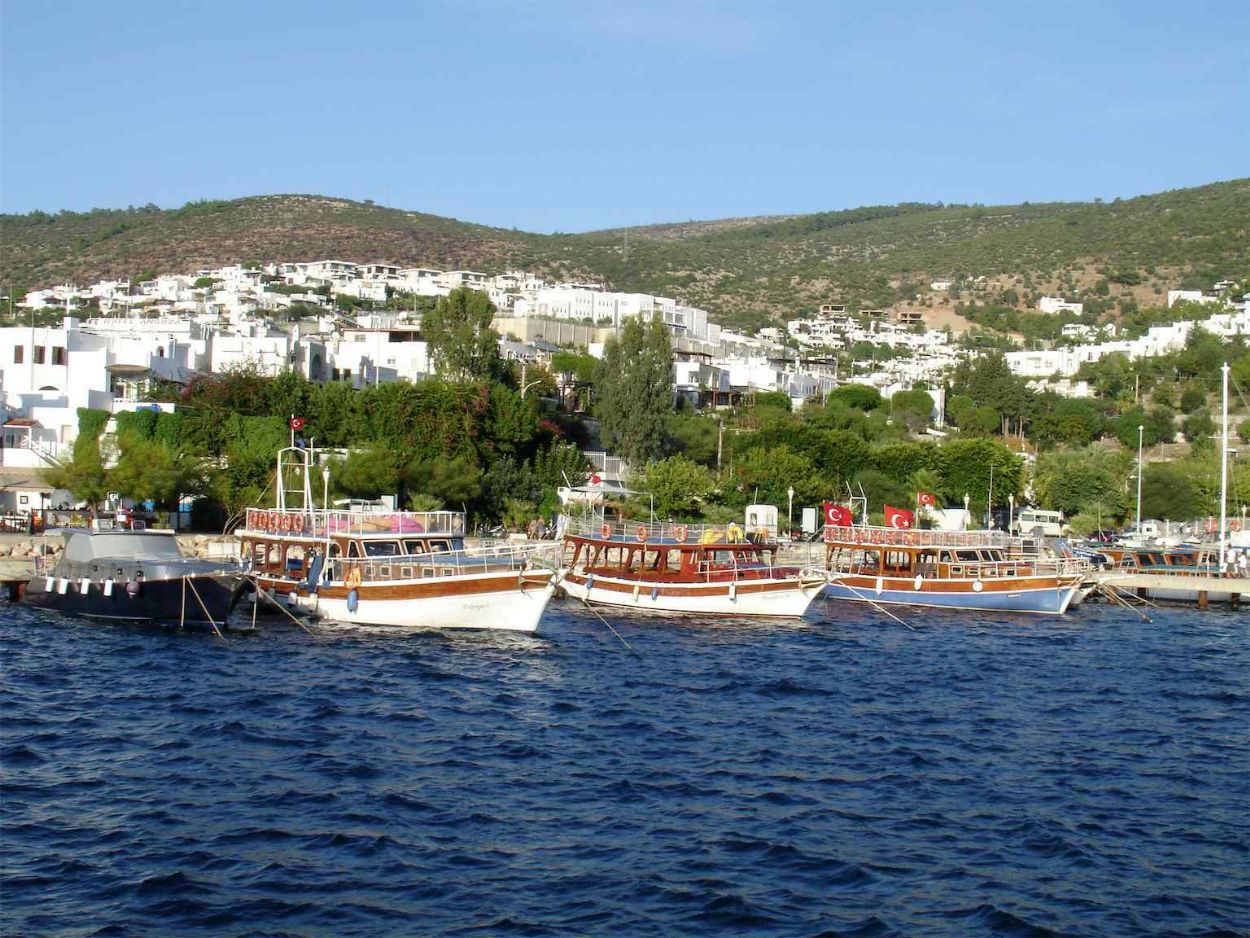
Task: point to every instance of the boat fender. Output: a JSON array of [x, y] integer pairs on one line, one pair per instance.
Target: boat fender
[[132, 588], [655, 593], [880, 585], [107, 588], [977, 586], [590, 583], [353, 600], [85, 586], [918, 582], [733, 592], [62, 586], [637, 590], [353, 579]]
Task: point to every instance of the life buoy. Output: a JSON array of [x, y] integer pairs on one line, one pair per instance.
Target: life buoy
[[353, 579], [1234, 526], [640, 532], [761, 534], [605, 530], [733, 533], [682, 533]]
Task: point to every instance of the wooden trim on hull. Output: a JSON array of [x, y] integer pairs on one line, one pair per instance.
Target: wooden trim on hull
[[432, 588]]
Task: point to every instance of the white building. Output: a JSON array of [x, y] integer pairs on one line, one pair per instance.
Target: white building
[[1055, 304]]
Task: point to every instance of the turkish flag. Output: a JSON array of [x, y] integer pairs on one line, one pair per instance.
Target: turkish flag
[[898, 518], [297, 423], [926, 499], [838, 515]]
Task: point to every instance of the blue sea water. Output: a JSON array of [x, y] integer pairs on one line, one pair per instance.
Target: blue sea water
[[981, 775]]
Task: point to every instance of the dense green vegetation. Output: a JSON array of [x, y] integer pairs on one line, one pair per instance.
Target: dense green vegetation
[[745, 271]]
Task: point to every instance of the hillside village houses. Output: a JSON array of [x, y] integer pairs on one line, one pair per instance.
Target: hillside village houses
[[178, 325]]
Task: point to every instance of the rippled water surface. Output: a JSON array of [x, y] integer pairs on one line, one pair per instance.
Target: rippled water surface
[[980, 775]]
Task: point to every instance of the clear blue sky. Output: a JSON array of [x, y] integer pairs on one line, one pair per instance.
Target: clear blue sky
[[572, 116]]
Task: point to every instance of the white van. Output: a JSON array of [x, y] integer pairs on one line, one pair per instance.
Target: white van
[[1029, 520]]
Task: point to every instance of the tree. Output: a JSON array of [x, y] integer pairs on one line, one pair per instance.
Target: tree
[[635, 390], [462, 344], [1082, 480], [148, 469], [366, 473], [1199, 429], [676, 484], [859, 396], [84, 474], [911, 408], [1169, 492]]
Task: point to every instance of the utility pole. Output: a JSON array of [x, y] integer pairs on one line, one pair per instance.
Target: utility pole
[[1141, 430], [720, 440]]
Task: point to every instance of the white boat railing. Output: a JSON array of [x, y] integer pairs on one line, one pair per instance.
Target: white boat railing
[[969, 569], [668, 532], [318, 522], [491, 559]]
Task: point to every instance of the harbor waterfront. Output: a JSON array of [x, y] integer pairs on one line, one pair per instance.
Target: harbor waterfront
[[982, 774]]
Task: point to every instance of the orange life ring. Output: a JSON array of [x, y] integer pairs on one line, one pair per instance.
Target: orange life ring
[[1234, 525], [682, 533], [640, 532], [353, 579], [605, 531]]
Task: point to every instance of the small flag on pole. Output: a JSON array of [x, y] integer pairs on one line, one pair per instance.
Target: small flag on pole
[[838, 515], [926, 499]]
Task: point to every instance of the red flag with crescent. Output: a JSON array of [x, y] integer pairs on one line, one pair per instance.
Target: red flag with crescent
[[297, 424], [898, 518], [926, 499], [838, 515]]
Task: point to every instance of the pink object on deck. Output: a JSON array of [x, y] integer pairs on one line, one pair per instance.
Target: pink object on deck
[[405, 525]]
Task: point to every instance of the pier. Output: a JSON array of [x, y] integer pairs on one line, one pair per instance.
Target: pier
[[1203, 589]]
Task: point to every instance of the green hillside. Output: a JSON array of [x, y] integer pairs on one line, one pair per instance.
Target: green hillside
[[742, 270]]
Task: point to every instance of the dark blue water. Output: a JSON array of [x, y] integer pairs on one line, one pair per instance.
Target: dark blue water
[[982, 775]]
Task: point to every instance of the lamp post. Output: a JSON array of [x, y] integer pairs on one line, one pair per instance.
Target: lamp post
[[967, 502], [790, 511], [1011, 511], [1141, 431]]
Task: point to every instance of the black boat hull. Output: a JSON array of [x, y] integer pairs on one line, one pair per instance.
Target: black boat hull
[[167, 601]]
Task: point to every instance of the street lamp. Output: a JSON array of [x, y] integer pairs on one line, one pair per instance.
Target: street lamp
[[790, 511], [1011, 511], [1141, 431], [967, 502]]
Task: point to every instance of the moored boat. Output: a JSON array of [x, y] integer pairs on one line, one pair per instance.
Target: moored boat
[[973, 570], [679, 568], [136, 576], [401, 569]]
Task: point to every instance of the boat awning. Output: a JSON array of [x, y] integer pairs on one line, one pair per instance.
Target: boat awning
[[131, 370], [21, 422]]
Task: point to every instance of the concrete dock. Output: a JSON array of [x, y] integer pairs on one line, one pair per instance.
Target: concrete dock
[[1181, 587]]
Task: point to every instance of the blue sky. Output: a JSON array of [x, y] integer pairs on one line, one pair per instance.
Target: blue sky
[[573, 116]]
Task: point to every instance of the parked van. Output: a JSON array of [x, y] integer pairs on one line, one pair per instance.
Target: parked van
[[1029, 520]]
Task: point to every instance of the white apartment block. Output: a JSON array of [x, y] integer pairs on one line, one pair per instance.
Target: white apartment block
[[1055, 304]]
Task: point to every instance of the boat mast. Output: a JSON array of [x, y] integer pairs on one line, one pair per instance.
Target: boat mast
[[1224, 476], [1141, 432]]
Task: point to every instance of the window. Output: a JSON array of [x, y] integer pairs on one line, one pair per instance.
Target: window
[[58, 355], [19, 354], [39, 356]]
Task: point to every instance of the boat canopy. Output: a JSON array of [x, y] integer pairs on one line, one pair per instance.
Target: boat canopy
[[86, 546]]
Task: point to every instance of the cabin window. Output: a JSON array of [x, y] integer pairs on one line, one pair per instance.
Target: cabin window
[[353, 549], [898, 561], [382, 548], [414, 547], [439, 546]]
